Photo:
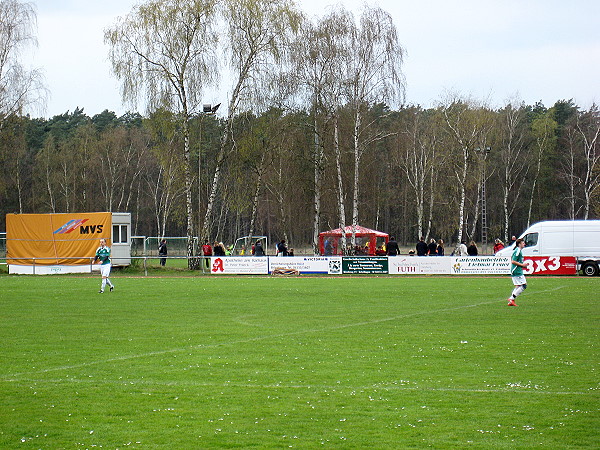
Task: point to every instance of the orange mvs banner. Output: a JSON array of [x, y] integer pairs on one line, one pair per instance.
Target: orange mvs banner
[[55, 237]]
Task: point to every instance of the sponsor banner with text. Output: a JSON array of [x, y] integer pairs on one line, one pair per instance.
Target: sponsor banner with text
[[230, 265], [484, 265], [60, 239], [364, 264], [413, 265], [307, 264], [395, 265], [550, 265]]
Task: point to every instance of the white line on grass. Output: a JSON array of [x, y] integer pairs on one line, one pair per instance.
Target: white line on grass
[[14, 376], [335, 388]]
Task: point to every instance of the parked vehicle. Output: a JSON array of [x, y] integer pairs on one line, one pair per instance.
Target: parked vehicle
[[578, 238]]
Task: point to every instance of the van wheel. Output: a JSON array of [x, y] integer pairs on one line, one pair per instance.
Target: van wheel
[[590, 269]]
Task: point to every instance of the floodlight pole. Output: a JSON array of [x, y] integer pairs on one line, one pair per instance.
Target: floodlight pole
[[484, 227]]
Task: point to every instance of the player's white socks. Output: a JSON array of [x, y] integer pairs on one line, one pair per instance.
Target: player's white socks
[[516, 291], [106, 281]]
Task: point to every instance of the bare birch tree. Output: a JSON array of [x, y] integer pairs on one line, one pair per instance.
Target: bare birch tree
[[258, 34], [47, 170], [543, 129], [164, 51], [569, 170], [514, 159], [373, 76], [320, 56], [20, 87], [466, 122], [165, 189], [419, 162], [588, 128]]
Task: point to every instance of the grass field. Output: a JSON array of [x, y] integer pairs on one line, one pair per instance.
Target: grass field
[[259, 362]]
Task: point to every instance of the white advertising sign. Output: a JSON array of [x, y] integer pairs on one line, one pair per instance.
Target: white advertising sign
[[306, 264], [435, 264], [403, 265], [467, 265], [49, 270], [230, 265], [413, 265]]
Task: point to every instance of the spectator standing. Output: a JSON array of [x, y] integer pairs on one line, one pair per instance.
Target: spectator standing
[[258, 249], [432, 248], [440, 248], [218, 249], [472, 249], [282, 249], [498, 245], [328, 247], [421, 247], [207, 251], [162, 251], [392, 248], [462, 249]]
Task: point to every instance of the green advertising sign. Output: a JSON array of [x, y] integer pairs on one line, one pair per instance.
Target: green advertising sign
[[364, 264]]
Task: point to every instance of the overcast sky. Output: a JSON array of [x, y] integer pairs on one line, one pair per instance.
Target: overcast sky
[[491, 50]]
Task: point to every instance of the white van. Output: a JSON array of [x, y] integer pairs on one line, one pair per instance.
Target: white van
[[578, 238]]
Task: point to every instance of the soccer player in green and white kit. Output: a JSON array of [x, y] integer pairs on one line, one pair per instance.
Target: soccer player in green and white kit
[[103, 255], [516, 270]]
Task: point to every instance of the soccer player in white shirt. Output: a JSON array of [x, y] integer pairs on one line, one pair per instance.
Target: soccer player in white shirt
[[103, 256], [516, 271]]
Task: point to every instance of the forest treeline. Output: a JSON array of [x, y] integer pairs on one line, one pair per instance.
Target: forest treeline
[[314, 133], [538, 163]]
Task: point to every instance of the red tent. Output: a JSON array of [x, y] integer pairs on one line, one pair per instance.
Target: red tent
[[367, 240]]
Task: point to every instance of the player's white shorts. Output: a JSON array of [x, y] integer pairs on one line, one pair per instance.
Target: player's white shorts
[[518, 281], [105, 270]]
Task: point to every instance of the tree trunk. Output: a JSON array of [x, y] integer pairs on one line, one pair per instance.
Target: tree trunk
[[430, 218], [340, 182], [206, 226], [318, 161], [192, 263], [355, 194], [462, 180]]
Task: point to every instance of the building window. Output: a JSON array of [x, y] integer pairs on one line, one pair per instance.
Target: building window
[[120, 234]]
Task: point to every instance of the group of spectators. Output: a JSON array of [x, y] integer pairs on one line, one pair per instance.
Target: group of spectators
[[432, 249], [390, 249], [437, 248], [281, 249], [219, 249], [470, 250]]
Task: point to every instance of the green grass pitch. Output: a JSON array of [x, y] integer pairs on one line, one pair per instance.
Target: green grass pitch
[[305, 362]]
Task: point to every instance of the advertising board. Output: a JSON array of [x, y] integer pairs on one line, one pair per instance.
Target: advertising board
[[307, 264], [55, 239], [480, 265], [365, 264], [231, 265], [550, 265], [414, 265]]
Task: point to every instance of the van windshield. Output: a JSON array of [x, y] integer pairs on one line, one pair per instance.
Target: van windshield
[[530, 239]]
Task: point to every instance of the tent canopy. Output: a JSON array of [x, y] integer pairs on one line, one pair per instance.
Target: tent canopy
[[367, 241]]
